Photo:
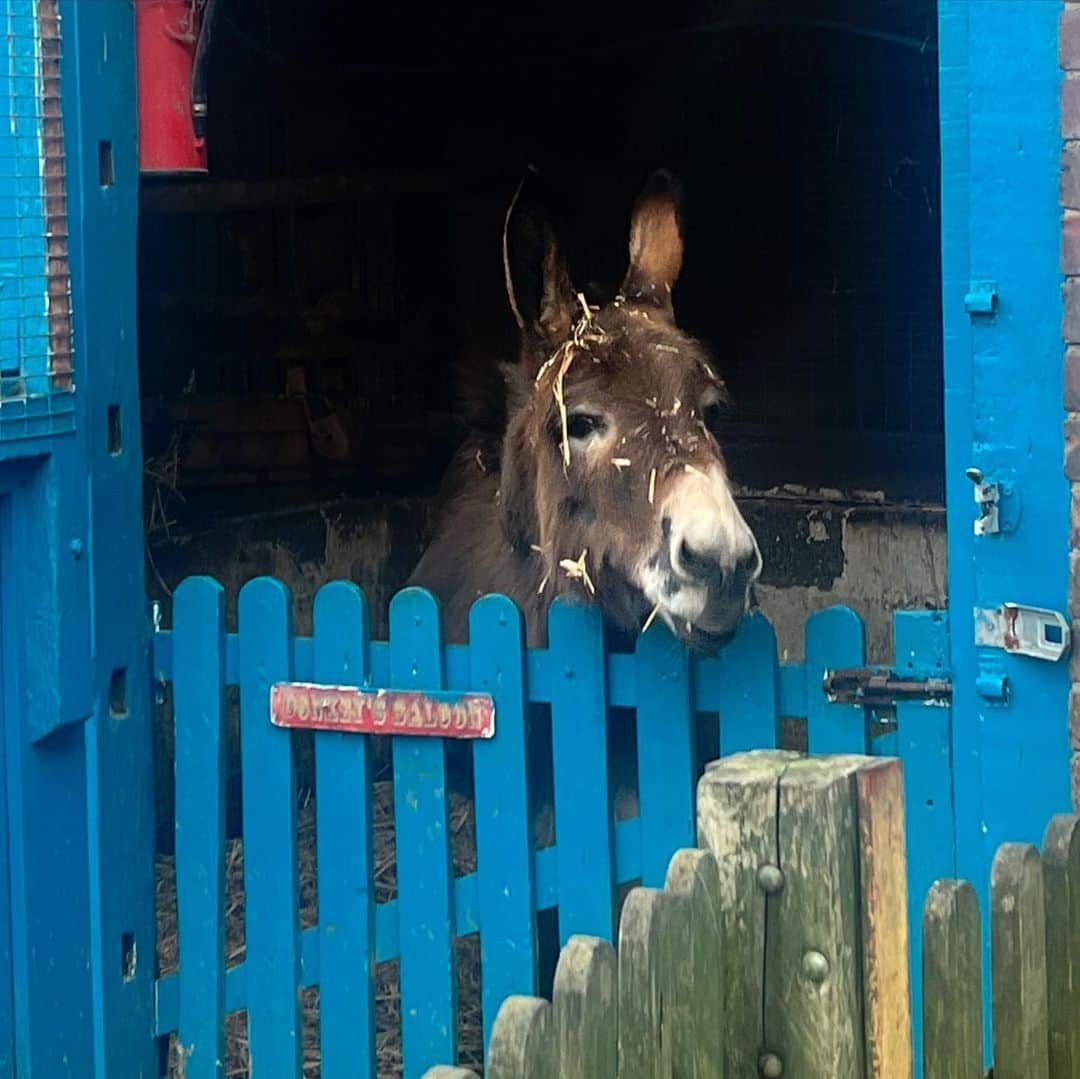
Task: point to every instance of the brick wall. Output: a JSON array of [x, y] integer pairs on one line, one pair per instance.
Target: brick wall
[[1069, 44]]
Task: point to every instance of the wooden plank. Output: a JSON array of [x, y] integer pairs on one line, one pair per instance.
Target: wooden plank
[[505, 884], [652, 934], [952, 983], [737, 823], [586, 1011], [665, 738], [200, 744], [834, 638], [272, 921], [742, 683], [1061, 874], [923, 743], [886, 982], [699, 1052], [583, 816], [1018, 945], [422, 846], [220, 195], [523, 1041], [344, 828], [812, 1002]]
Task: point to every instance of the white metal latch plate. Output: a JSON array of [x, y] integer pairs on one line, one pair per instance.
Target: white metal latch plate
[[1023, 631]]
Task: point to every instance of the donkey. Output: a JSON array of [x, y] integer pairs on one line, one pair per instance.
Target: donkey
[[608, 477], [598, 470]]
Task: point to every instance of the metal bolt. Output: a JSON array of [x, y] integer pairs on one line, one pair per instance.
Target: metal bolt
[[77, 547], [770, 878], [770, 1066], [815, 966]]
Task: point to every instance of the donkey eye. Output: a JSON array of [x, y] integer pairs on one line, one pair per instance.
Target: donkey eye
[[580, 425], [714, 412]]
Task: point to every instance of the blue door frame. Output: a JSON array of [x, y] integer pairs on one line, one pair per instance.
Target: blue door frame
[[77, 936], [1003, 355]]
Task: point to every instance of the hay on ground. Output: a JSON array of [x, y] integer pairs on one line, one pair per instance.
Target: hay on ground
[[387, 991]]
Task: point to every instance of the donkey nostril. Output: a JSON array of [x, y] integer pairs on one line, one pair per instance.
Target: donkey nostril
[[697, 565]]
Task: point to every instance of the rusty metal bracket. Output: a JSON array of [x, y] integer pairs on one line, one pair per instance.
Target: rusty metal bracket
[[1023, 631]]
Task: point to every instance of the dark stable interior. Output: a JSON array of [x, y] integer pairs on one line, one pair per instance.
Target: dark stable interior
[[303, 307]]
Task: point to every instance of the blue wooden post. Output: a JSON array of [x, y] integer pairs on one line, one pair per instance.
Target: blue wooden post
[[834, 639], [344, 823], [583, 817], [506, 892], [922, 742], [666, 758], [422, 845], [742, 684], [272, 919], [1001, 229], [199, 717]]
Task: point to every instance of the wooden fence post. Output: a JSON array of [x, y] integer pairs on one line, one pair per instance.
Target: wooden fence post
[[811, 858], [1061, 873], [952, 983], [1018, 953]]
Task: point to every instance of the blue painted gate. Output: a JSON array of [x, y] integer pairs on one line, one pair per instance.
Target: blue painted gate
[[745, 691], [78, 992]]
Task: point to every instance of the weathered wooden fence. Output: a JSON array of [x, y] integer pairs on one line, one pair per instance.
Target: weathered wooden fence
[[780, 949], [745, 691]]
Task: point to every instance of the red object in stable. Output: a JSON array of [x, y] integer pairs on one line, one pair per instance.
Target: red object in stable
[[166, 33]]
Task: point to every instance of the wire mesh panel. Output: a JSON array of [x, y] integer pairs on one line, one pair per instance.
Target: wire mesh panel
[[35, 305]]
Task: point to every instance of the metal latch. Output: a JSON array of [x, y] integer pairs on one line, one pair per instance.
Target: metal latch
[[875, 687], [988, 499], [1023, 631]]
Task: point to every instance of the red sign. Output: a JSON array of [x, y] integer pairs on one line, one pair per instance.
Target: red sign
[[382, 711]]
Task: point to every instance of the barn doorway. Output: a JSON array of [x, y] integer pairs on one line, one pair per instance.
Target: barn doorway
[[303, 309]]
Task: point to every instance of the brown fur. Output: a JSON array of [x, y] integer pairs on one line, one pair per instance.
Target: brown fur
[[514, 514]]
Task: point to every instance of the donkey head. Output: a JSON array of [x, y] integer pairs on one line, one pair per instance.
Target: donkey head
[[613, 474]]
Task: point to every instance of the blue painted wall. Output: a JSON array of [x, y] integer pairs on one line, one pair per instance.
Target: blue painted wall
[[77, 966]]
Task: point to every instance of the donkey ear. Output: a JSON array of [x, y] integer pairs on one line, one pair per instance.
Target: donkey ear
[[557, 293], [656, 243], [537, 281]]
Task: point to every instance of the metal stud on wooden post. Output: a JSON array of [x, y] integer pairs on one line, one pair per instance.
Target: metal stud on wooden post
[[812, 865], [737, 823]]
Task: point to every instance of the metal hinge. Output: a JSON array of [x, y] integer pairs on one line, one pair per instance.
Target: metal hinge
[[1023, 631], [875, 688], [988, 499]]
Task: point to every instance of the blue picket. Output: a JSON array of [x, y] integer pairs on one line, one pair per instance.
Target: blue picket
[[198, 715], [834, 638], [583, 818], [505, 885], [269, 818], [344, 826], [923, 744], [742, 684], [666, 759], [422, 830]]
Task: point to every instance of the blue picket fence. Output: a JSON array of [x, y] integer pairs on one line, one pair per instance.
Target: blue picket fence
[[746, 689]]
